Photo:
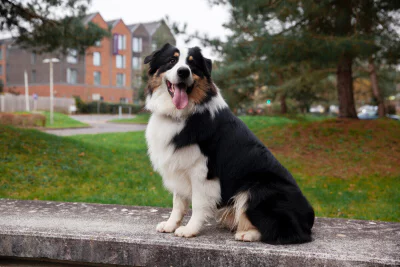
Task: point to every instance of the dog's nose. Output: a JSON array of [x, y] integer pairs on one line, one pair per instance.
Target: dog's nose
[[183, 72]]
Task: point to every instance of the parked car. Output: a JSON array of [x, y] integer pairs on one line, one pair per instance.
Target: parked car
[[368, 112]]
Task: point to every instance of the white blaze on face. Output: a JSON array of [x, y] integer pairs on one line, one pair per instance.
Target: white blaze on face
[[178, 85], [172, 74]]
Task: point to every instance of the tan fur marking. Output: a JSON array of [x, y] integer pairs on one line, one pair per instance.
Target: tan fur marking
[[154, 82], [176, 54], [234, 217], [190, 58], [226, 218], [244, 224], [200, 88]]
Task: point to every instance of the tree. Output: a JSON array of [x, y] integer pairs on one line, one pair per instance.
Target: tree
[[276, 38], [38, 26], [380, 18]]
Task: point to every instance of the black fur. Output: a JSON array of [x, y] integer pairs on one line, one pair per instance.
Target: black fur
[[160, 60], [200, 65], [241, 162]]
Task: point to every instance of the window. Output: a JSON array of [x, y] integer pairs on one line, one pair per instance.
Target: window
[[97, 43], [120, 61], [120, 79], [1, 53], [72, 76], [137, 44], [96, 58], [136, 63], [72, 56], [33, 58], [123, 100], [1, 69], [97, 77], [153, 46], [33, 76], [121, 42]]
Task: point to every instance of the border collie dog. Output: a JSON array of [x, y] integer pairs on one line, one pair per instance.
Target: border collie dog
[[206, 155]]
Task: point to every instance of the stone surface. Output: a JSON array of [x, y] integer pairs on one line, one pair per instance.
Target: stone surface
[[126, 235]]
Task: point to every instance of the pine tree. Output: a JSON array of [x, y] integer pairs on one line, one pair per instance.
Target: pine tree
[[38, 25], [276, 39]]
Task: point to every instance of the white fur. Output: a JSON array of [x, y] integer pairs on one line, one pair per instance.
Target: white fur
[[213, 106], [184, 172], [250, 235], [172, 74]]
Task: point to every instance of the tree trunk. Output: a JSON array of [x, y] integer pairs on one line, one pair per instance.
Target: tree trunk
[[345, 88], [282, 99], [375, 88]]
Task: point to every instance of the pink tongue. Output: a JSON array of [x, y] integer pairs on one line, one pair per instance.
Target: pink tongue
[[180, 98]]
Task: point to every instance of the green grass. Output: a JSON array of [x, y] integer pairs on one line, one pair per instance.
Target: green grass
[[62, 121], [138, 119], [106, 168], [254, 122], [346, 169]]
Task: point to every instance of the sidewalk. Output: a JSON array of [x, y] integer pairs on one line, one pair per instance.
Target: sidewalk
[[99, 125]]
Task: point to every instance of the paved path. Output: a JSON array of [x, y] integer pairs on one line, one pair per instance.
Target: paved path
[[98, 125]]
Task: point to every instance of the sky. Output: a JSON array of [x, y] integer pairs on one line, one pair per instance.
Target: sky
[[198, 15]]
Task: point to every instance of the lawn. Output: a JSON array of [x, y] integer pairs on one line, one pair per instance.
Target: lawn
[[347, 169], [62, 121], [142, 118]]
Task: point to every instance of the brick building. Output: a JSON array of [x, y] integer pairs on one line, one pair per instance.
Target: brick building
[[147, 37], [112, 68]]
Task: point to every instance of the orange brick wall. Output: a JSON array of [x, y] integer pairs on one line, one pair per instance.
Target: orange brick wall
[[121, 29], [105, 51], [85, 92]]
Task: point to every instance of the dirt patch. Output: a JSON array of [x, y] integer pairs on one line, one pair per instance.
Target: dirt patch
[[338, 148]]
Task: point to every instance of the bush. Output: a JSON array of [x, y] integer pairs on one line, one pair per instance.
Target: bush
[[24, 120], [391, 109], [105, 107]]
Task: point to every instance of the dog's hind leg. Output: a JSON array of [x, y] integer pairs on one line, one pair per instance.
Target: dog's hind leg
[[246, 231], [205, 196]]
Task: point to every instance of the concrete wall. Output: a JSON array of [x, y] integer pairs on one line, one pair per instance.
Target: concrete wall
[[126, 235]]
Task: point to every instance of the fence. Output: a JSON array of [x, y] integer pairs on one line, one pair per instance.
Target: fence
[[13, 103]]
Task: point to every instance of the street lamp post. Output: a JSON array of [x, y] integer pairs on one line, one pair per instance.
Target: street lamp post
[[50, 61]]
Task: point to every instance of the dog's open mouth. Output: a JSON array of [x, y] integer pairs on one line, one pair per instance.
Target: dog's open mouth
[[179, 94]]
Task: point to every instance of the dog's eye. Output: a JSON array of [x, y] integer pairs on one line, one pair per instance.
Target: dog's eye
[[172, 60]]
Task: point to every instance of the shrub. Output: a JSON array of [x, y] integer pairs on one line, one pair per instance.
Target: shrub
[[391, 109], [104, 107], [24, 120]]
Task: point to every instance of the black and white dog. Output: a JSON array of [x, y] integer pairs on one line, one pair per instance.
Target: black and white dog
[[207, 155]]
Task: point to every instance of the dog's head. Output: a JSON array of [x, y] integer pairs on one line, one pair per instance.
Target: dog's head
[[179, 79]]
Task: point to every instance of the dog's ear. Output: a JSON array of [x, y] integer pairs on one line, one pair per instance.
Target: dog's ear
[[153, 55], [208, 64]]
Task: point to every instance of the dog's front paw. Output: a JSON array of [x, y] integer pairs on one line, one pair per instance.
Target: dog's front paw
[[166, 227], [185, 231]]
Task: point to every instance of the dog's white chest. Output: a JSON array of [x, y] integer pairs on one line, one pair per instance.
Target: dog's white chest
[[165, 159]]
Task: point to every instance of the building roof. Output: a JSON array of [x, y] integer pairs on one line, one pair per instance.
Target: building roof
[[152, 27], [89, 17], [133, 27], [113, 23]]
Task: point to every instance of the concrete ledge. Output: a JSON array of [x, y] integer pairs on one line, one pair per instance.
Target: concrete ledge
[[125, 235]]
